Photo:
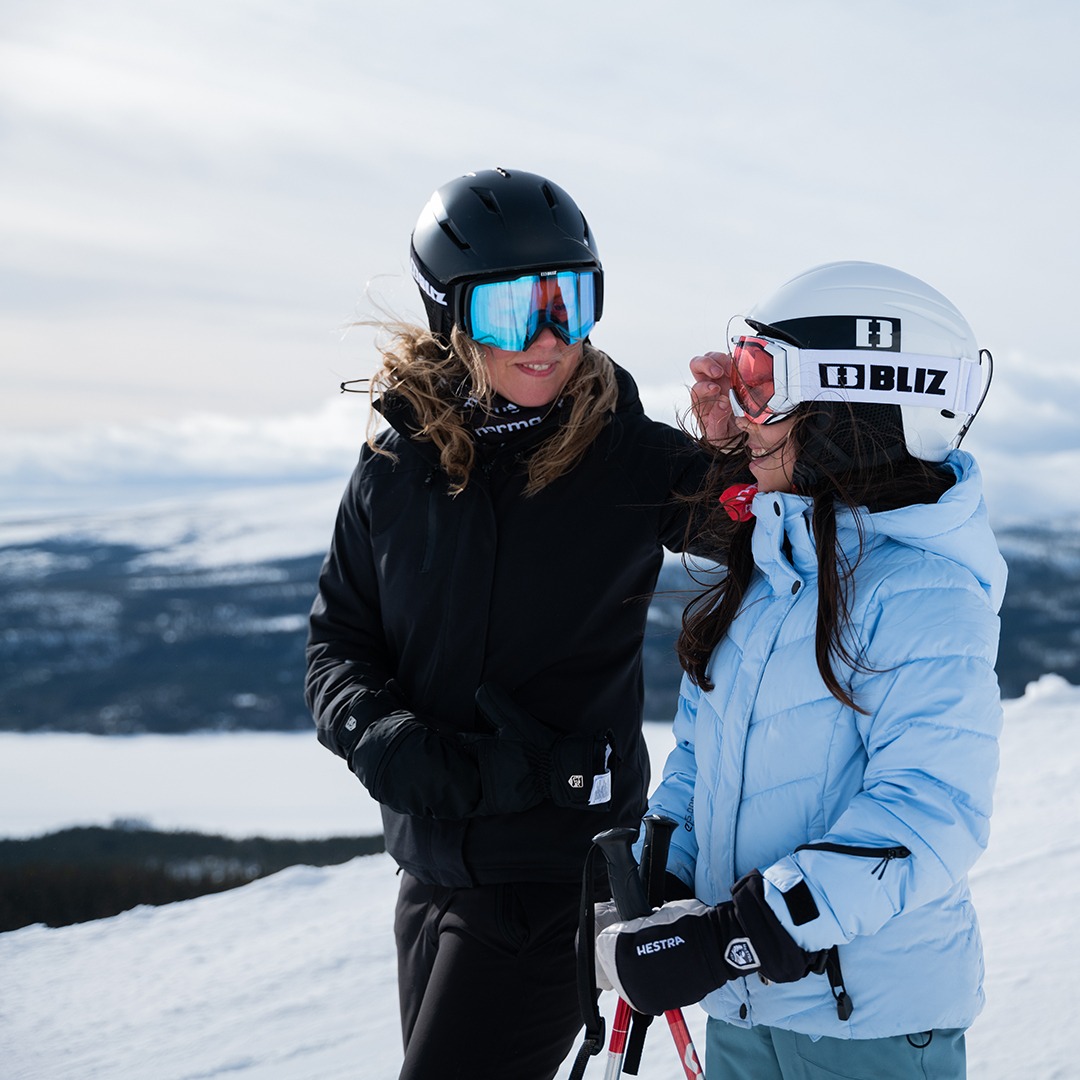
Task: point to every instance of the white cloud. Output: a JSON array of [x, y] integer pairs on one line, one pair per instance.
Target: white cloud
[[195, 196], [99, 468]]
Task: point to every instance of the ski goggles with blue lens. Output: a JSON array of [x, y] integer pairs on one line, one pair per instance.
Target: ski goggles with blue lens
[[511, 314]]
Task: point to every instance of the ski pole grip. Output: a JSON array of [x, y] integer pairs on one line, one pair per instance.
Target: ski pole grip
[[654, 853], [626, 888]]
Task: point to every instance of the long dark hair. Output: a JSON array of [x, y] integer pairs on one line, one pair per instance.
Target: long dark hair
[[848, 456]]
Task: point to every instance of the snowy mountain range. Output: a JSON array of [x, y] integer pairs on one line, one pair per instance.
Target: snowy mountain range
[[191, 614]]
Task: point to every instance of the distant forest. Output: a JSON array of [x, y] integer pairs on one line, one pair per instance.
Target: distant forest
[[80, 874]]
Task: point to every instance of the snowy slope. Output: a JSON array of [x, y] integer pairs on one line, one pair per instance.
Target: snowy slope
[[292, 977]]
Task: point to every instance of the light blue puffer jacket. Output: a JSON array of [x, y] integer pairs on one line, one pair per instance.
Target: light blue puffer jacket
[[895, 805]]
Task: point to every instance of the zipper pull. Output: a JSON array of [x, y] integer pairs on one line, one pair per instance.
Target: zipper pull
[[879, 868], [844, 1005]]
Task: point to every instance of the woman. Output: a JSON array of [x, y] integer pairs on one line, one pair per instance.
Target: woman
[[837, 728], [475, 646]]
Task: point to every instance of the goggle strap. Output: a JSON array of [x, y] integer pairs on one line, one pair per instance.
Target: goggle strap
[[950, 383]]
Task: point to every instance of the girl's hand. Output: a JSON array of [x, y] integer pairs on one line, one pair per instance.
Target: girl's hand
[[709, 396]]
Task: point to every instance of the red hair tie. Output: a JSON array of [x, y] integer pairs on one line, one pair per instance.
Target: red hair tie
[[736, 501]]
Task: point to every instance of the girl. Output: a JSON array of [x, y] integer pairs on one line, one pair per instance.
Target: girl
[[836, 739]]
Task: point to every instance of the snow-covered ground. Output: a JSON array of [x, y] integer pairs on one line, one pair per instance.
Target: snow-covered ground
[[292, 977]]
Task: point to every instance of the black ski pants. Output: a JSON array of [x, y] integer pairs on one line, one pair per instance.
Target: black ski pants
[[486, 978]]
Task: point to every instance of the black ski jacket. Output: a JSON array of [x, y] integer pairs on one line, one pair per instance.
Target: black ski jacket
[[425, 596]]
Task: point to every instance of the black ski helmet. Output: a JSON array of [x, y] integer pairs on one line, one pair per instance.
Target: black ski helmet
[[495, 224]]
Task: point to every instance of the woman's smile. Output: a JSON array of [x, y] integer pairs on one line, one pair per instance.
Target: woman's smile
[[771, 452], [537, 376]]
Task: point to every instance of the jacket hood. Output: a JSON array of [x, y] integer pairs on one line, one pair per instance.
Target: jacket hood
[[956, 528]]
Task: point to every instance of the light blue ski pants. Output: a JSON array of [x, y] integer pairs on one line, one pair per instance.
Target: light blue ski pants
[[764, 1053]]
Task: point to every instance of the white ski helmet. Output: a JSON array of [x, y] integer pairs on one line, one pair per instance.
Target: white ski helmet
[[861, 332]]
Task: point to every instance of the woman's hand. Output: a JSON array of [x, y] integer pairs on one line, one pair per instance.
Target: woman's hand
[[709, 396]]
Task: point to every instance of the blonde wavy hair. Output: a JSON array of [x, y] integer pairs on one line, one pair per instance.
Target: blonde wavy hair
[[434, 376]]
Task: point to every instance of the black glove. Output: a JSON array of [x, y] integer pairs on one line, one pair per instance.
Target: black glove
[[410, 767], [686, 949], [525, 761]]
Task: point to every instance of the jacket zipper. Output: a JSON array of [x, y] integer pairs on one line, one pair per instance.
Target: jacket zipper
[[432, 522], [884, 855]]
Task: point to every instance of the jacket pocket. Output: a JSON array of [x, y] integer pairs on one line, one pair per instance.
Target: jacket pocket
[[883, 855]]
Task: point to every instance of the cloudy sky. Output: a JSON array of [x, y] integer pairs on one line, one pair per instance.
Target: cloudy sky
[[197, 199]]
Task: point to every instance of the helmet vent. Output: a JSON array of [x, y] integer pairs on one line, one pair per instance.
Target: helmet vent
[[487, 197], [552, 201], [454, 236]]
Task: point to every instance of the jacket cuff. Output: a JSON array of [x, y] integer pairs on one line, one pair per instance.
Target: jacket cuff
[[367, 707], [801, 910]]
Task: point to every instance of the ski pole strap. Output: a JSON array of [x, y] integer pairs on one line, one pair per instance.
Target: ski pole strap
[[639, 1025], [593, 1042], [588, 1049]]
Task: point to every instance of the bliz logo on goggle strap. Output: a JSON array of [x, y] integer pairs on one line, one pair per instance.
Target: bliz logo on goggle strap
[[438, 297], [875, 333], [885, 377]]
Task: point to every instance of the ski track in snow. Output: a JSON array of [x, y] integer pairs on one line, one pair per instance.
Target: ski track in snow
[[292, 977]]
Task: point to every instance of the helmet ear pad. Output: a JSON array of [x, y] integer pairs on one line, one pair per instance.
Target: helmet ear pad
[[839, 438]]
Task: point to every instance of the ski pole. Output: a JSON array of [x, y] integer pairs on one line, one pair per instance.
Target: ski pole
[[620, 1029], [654, 853], [631, 901], [654, 856], [630, 1029]]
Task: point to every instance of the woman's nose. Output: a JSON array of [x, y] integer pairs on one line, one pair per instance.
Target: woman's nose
[[545, 339]]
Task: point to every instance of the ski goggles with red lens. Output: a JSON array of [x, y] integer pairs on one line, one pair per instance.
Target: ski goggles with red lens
[[770, 376], [759, 379], [511, 314]]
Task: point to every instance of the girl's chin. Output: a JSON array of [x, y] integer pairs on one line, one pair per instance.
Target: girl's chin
[[769, 479]]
